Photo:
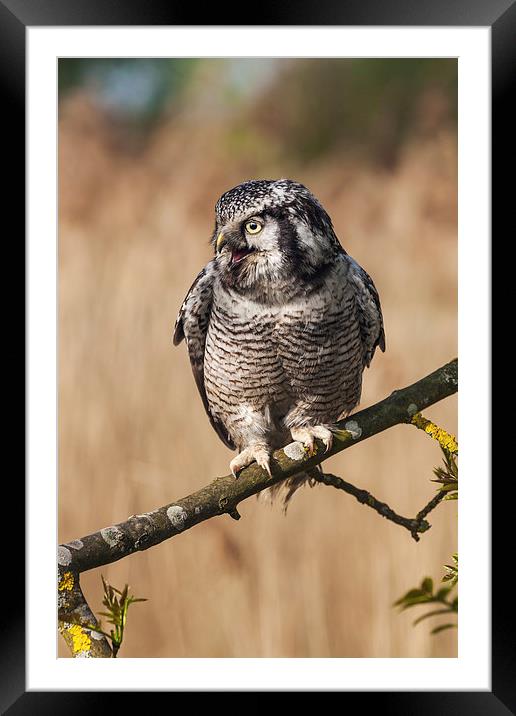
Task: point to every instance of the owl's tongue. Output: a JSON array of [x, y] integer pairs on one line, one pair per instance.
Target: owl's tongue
[[239, 254]]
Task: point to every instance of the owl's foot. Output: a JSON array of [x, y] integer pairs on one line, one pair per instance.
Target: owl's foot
[[253, 453], [308, 434]]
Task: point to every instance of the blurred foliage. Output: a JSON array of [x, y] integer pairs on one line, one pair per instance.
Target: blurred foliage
[[137, 90], [302, 108], [425, 595], [362, 104]]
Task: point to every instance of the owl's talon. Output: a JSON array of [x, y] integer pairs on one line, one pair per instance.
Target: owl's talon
[[265, 465], [328, 442], [308, 434], [253, 453]]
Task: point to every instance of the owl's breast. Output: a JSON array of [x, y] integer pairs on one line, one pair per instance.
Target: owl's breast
[[319, 346], [241, 362]]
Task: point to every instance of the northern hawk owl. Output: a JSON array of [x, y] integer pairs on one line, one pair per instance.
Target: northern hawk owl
[[279, 325]]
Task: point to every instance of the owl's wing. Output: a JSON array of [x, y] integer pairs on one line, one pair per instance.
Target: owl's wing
[[192, 324], [369, 310]]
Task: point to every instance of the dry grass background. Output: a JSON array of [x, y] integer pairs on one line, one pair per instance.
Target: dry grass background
[[133, 435]]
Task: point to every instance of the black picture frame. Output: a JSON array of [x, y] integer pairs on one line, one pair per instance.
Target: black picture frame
[[500, 16]]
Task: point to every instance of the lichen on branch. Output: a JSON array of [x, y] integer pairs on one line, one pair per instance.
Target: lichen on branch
[[446, 441]]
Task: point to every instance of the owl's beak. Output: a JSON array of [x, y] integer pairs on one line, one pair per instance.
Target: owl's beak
[[234, 244], [221, 239], [229, 238]]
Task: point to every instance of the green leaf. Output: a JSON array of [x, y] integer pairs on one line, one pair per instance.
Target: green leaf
[[442, 627], [116, 613], [425, 599], [448, 476], [435, 613], [442, 593], [452, 575], [427, 585], [411, 593]]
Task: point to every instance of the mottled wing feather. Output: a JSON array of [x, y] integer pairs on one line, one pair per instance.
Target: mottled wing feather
[[192, 324], [368, 309]]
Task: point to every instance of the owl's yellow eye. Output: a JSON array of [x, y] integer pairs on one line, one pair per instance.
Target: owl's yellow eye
[[253, 227]]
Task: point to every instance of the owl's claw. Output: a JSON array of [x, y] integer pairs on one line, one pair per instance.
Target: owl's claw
[[328, 441], [253, 453], [308, 434]]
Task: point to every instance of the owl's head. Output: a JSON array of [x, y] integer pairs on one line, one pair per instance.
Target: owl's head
[[270, 234]]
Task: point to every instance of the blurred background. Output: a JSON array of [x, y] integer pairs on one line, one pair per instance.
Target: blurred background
[[145, 149]]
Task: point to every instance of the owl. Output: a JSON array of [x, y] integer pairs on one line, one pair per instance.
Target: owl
[[279, 325]]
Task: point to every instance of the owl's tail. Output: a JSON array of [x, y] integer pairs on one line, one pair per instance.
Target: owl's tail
[[287, 488]]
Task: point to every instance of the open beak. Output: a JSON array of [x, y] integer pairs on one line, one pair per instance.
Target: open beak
[[237, 247]]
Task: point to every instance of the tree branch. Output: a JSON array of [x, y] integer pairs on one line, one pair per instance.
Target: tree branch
[[75, 617], [223, 495], [414, 525]]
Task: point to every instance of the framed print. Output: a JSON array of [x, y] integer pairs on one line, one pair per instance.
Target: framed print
[[318, 135]]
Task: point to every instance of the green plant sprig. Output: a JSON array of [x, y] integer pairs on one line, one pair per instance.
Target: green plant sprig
[[448, 476], [425, 595], [117, 608]]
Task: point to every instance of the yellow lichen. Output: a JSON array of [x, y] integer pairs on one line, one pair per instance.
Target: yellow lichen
[[81, 641], [66, 582], [446, 441]]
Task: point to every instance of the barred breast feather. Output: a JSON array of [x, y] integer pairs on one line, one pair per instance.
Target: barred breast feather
[[244, 377], [326, 340]]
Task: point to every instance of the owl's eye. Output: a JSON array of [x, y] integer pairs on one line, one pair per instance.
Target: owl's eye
[[253, 227]]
